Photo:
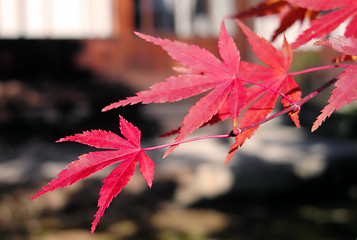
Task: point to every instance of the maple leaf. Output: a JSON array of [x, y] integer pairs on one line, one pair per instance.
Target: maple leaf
[[279, 80], [346, 85], [127, 152], [208, 73], [289, 14], [261, 98], [264, 9], [323, 25], [346, 45], [279, 63]]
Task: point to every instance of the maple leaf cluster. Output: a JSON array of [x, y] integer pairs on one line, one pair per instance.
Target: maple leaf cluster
[[320, 26], [291, 11], [232, 86]]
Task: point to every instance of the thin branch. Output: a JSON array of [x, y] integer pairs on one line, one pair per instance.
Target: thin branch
[[235, 132], [319, 68], [186, 141], [292, 107]]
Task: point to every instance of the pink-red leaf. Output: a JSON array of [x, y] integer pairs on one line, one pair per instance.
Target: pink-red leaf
[[264, 50], [298, 10], [280, 62], [346, 85], [175, 88], [292, 90], [288, 14], [262, 100], [322, 4], [146, 166], [295, 14], [344, 93], [202, 112], [126, 151], [130, 132], [264, 9], [99, 139], [320, 27], [341, 44], [236, 99], [228, 50], [351, 29], [112, 186], [86, 165], [191, 56], [286, 55]]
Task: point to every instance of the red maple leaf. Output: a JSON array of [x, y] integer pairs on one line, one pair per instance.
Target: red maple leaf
[[323, 25], [247, 72], [264, 9], [207, 73], [127, 151], [289, 14], [346, 85], [279, 80], [269, 81], [279, 63]]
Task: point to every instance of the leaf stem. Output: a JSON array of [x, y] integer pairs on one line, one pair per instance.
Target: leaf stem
[[186, 141], [319, 68], [270, 89]]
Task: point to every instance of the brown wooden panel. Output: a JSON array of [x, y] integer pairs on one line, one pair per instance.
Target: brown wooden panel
[[147, 16], [123, 20]]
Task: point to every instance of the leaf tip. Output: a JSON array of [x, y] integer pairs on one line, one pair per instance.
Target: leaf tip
[[223, 26], [140, 35], [323, 42], [107, 108], [33, 197], [228, 158], [61, 140], [319, 120], [118, 104], [92, 229], [38, 194], [315, 127], [295, 118]]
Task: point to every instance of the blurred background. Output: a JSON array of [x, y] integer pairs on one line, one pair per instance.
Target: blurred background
[[62, 61]]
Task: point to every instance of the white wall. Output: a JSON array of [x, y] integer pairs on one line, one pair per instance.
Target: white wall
[[55, 18], [189, 24]]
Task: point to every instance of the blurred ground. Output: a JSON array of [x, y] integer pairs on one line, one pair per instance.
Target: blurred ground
[[281, 185], [285, 183]]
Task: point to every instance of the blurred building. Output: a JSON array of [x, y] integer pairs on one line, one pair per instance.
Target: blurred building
[[73, 41], [110, 18], [106, 28], [61, 61]]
